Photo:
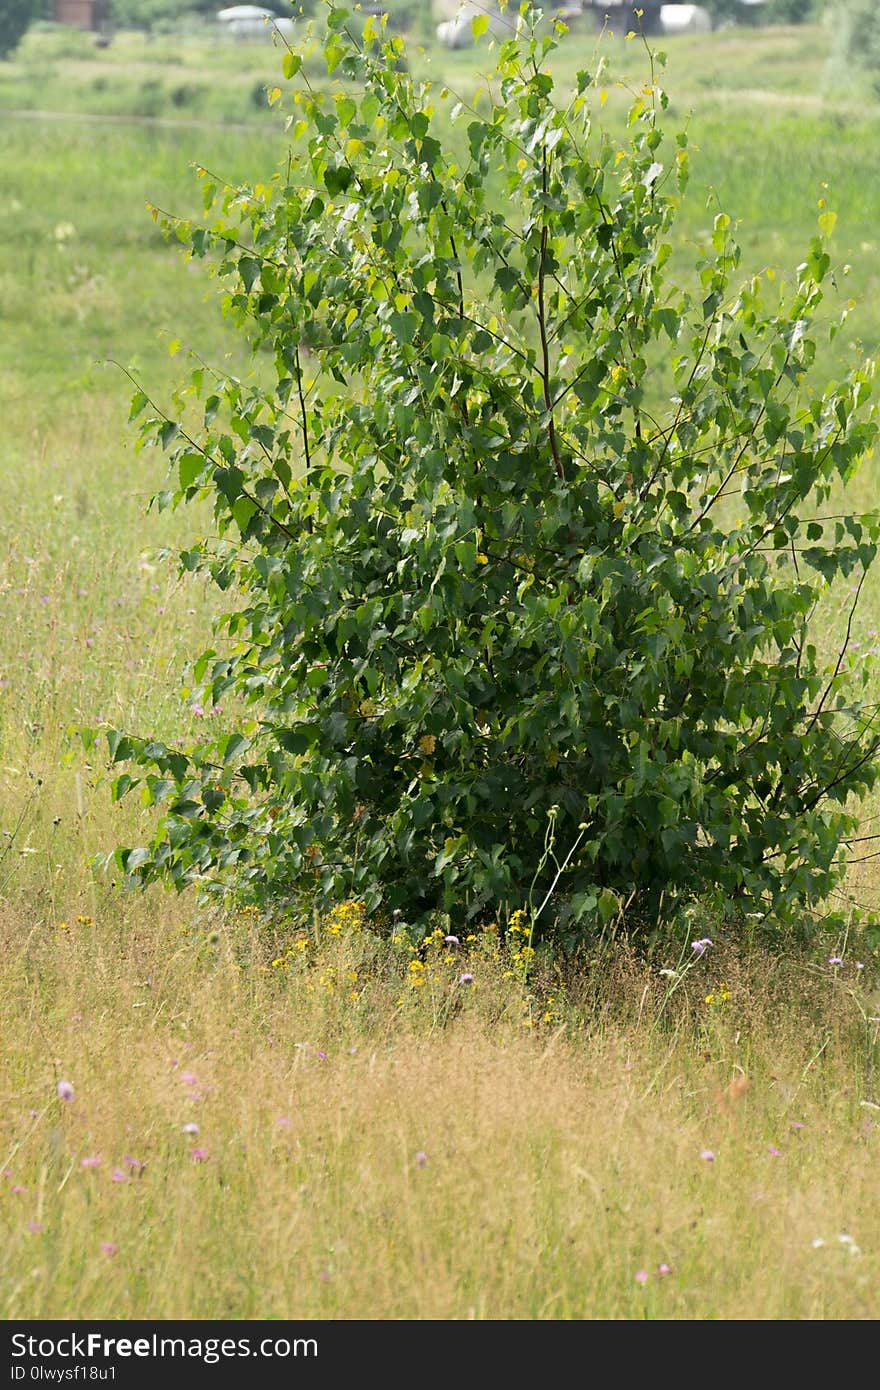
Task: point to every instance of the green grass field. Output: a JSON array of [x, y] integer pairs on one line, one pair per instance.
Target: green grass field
[[374, 1139]]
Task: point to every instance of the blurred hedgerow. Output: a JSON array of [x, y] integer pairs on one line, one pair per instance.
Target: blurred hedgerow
[[520, 534]]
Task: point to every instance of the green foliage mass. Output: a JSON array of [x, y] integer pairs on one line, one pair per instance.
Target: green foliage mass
[[16, 17], [150, 14], [857, 37], [771, 12], [524, 539]]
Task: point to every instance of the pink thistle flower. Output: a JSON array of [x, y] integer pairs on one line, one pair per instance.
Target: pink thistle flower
[[322, 1056], [133, 1163], [190, 1078], [108, 1248], [641, 1276], [199, 1155], [422, 1159], [284, 1122], [466, 979], [191, 1128], [64, 1090], [118, 1176], [18, 1188], [664, 1269], [93, 1161], [708, 1155], [835, 960], [451, 941], [773, 1151], [35, 1228]]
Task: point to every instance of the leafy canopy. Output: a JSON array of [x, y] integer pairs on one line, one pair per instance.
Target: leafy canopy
[[16, 17], [523, 540]]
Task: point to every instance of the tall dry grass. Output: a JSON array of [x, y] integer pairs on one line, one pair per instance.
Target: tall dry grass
[[369, 1148]]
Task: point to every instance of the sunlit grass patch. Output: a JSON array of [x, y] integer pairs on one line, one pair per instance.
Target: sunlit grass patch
[[172, 1106]]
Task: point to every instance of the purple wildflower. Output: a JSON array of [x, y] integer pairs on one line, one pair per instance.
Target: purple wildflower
[[835, 960], [422, 1159], [35, 1228], [191, 1128], [451, 941], [641, 1276], [466, 979], [108, 1248], [702, 945], [199, 1155], [118, 1176], [133, 1163], [93, 1161], [64, 1090], [773, 1151], [664, 1269], [708, 1156]]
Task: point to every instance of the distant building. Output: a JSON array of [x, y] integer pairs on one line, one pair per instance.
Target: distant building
[[82, 14]]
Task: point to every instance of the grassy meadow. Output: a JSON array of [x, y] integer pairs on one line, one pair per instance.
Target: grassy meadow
[[322, 1124]]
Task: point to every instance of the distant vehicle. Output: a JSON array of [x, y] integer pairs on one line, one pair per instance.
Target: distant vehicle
[[253, 22], [685, 19], [458, 32]]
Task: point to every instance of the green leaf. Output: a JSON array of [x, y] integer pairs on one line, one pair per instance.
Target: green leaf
[[827, 223], [244, 511], [233, 746], [189, 467], [404, 326], [249, 270], [139, 402]]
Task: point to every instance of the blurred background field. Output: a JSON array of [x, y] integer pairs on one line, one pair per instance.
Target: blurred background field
[[372, 1146]]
